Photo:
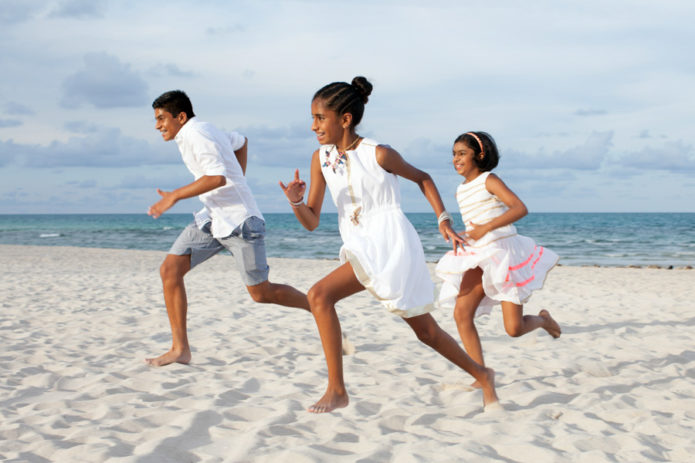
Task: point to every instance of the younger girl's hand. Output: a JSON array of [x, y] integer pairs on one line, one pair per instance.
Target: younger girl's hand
[[475, 231], [295, 189], [451, 236]]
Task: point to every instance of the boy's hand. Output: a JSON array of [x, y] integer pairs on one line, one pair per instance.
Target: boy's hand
[[163, 205]]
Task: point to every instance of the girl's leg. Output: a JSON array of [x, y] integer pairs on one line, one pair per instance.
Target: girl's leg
[[517, 324], [469, 297], [430, 333], [323, 296]]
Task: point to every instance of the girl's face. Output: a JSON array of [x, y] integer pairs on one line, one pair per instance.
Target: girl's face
[[327, 124], [463, 161]]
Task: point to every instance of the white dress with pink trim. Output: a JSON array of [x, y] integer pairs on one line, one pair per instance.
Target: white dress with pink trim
[[378, 240], [513, 265]]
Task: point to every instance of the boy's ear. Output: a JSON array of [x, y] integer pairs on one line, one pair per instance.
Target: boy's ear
[[182, 117]]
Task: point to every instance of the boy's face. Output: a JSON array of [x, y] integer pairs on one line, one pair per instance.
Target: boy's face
[[167, 124]]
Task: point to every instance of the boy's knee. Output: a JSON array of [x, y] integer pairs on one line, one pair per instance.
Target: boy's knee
[[260, 296], [263, 293], [170, 271]]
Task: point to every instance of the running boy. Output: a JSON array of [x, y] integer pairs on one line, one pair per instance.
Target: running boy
[[229, 219]]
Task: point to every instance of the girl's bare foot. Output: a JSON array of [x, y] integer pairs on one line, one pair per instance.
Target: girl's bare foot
[[487, 384], [329, 402], [476, 384], [550, 324], [170, 357]]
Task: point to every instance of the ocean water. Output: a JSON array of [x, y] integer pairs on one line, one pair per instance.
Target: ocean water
[[606, 239]]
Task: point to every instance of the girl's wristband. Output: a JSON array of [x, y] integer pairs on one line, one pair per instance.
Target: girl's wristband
[[442, 217], [298, 203]]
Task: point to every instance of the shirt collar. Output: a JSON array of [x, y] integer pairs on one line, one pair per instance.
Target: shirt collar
[[179, 136]]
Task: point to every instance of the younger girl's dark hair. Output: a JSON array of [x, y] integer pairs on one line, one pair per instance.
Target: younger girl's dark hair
[[344, 98], [486, 145]]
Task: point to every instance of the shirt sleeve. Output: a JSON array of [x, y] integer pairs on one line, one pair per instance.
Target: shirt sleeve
[[236, 139], [208, 157]]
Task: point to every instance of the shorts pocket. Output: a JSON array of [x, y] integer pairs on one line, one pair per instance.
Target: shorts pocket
[[253, 229]]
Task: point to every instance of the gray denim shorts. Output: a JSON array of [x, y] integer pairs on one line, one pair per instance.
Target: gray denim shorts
[[246, 244]]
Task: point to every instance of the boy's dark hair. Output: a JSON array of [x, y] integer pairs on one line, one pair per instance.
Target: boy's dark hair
[[343, 98], [491, 156], [175, 102]]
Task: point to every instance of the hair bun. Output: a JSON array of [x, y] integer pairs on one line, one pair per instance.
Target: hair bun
[[363, 87]]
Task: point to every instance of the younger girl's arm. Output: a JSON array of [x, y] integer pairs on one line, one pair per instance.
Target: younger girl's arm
[[391, 161], [308, 213], [517, 208]]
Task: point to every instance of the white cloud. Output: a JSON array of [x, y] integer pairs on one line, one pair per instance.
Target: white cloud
[[579, 94], [674, 156], [104, 82], [79, 9], [14, 108], [589, 155], [98, 147]]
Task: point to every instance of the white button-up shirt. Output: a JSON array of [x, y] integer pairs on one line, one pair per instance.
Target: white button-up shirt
[[207, 150]]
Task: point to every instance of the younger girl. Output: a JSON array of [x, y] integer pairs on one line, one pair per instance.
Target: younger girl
[[498, 266], [381, 250]]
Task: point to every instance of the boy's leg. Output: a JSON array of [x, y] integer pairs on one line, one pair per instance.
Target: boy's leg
[[192, 247], [172, 272], [247, 245], [517, 324], [274, 293]]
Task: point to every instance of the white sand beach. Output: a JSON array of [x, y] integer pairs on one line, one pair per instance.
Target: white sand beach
[[76, 324]]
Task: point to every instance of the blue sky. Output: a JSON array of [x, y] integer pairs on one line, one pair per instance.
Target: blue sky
[[591, 102]]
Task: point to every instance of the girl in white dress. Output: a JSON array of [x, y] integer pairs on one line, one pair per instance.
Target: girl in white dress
[[381, 251], [497, 266]]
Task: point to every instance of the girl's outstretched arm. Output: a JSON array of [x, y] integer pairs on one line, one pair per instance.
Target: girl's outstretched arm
[[517, 208], [391, 161], [308, 213]]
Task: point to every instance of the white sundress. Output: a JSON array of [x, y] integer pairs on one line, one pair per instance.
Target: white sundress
[[378, 240], [513, 265]]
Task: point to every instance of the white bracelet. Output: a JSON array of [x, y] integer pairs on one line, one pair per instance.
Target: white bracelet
[[298, 203], [442, 217]]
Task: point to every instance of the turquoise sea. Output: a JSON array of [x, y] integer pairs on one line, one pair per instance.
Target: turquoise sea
[[606, 239]]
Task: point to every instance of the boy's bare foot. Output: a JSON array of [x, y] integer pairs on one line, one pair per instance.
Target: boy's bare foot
[[550, 325], [329, 402], [487, 384], [170, 357]]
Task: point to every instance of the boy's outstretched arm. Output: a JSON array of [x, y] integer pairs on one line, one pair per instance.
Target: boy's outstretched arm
[[169, 198]]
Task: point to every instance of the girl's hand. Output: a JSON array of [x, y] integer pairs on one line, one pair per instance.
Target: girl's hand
[[475, 231], [451, 236], [295, 189]]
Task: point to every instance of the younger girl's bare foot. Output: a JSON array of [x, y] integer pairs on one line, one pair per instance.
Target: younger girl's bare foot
[[170, 357], [329, 402], [550, 324]]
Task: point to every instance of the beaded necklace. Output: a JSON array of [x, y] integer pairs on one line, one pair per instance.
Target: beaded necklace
[[341, 157]]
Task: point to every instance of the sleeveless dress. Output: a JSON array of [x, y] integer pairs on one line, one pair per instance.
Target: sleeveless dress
[[513, 265], [378, 240]]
